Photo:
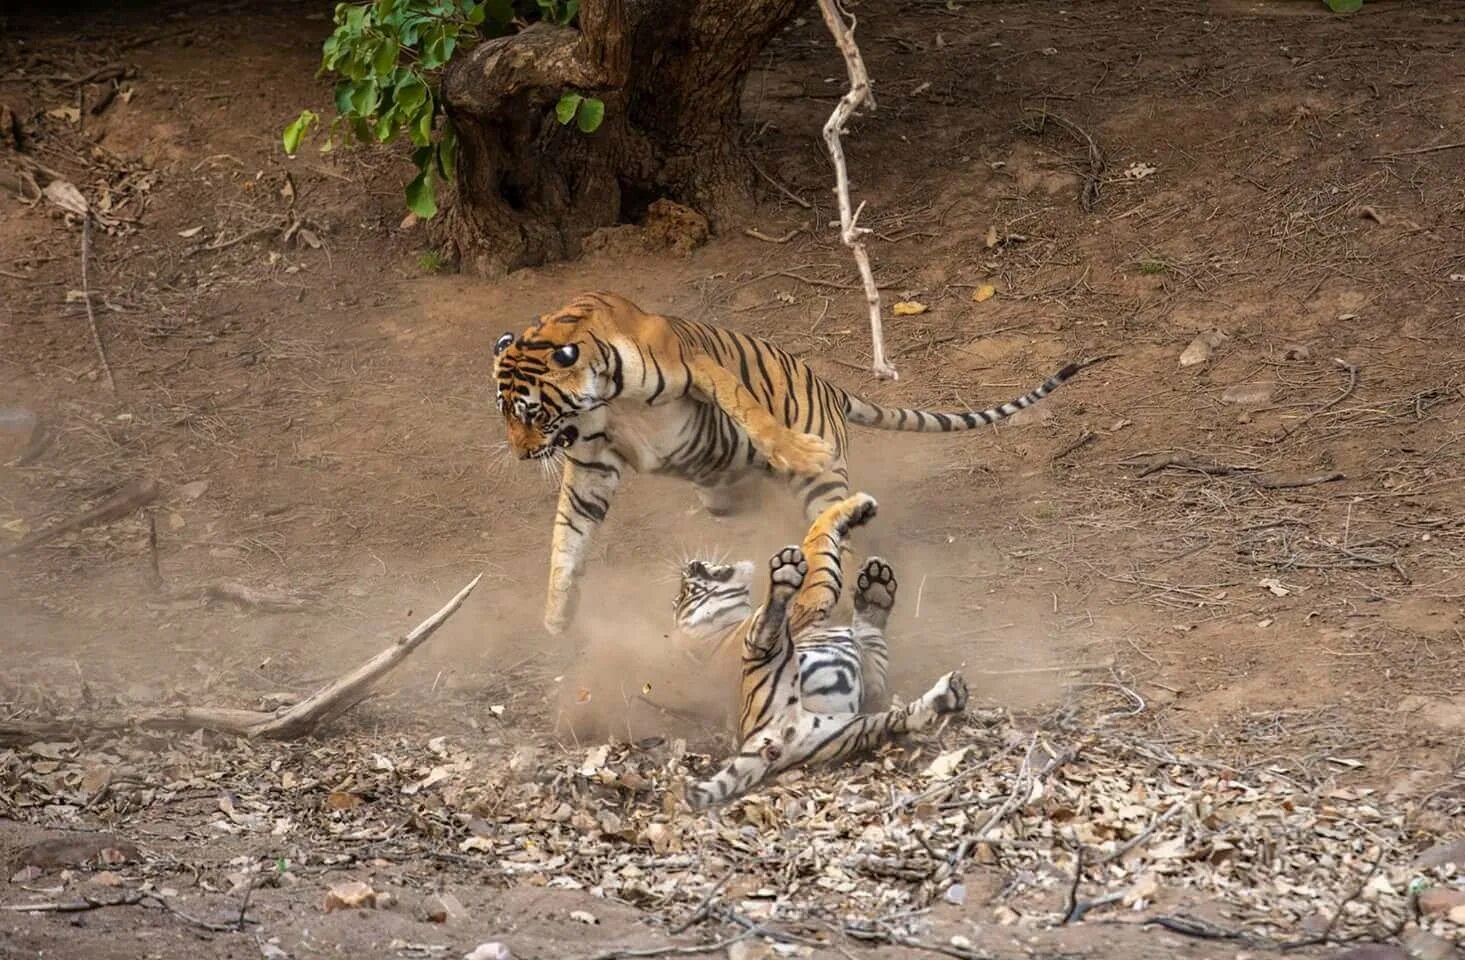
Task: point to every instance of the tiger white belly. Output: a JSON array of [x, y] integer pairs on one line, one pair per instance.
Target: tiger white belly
[[665, 439]]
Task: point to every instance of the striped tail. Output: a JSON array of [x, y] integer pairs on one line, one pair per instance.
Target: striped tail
[[868, 414]]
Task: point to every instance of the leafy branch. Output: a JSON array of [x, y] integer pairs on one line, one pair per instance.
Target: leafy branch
[[388, 54]]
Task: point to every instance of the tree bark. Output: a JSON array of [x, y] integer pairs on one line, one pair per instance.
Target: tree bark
[[671, 74]]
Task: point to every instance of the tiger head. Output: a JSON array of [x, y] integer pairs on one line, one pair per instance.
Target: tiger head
[[714, 596], [552, 375]]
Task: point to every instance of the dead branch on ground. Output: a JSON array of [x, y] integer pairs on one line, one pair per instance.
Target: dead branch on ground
[[325, 704], [843, 32], [86, 296], [1183, 462], [134, 496], [1094, 177], [1347, 392]]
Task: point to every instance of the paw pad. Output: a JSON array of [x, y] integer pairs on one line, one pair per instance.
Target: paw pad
[[877, 585]]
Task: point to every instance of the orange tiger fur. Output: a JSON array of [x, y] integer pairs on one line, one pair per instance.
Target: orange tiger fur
[[612, 388]]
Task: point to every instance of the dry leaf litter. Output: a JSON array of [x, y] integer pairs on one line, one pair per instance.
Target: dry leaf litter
[[867, 847]]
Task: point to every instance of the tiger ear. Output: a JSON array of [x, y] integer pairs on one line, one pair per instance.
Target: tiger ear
[[502, 343]]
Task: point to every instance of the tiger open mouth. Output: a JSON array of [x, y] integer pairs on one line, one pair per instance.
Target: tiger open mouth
[[562, 440]]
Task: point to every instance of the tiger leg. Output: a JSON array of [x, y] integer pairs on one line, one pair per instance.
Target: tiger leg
[[786, 449], [719, 500], [825, 546], [825, 739], [874, 598], [586, 489], [814, 738], [770, 689], [770, 673]]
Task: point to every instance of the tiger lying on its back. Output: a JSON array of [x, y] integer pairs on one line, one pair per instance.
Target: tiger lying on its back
[[841, 669], [613, 388], [800, 701]]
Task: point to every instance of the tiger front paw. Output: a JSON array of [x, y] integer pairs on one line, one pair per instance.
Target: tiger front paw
[[786, 570], [801, 454], [950, 694], [876, 588]]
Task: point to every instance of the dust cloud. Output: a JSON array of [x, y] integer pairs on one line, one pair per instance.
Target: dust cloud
[[955, 609]]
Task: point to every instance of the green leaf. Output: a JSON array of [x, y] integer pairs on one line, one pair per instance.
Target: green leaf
[[432, 47], [364, 98], [420, 128], [386, 126], [475, 13], [421, 195], [295, 132], [355, 18], [572, 7], [590, 114], [411, 93], [343, 98], [564, 111], [385, 59], [1344, 6]]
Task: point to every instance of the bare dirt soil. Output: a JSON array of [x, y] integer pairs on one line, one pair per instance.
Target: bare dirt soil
[[1203, 607]]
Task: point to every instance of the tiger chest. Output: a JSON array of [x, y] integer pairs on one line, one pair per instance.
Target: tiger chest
[[658, 439]]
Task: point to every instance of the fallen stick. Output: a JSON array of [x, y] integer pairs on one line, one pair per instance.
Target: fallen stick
[[1087, 436], [1347, 392], [134, 496], [270, 601], [1093, 179], [325, 704], [1208, 467], [86, 296], [850, 231], [1284, 483], [130, 899], [691, 951]]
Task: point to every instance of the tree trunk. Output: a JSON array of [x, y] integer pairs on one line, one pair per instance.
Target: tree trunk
[[671, 74]]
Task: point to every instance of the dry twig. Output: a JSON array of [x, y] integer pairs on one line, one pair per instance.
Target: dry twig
[[1347, 392], [86, 296], [1184, 462], [134, 496], [780, 187], [1327, 931], [850, 232], [1092, 180], [769, 238], [672, 951]]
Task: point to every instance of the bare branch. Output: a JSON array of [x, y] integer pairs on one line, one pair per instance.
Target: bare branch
[[851, 232]]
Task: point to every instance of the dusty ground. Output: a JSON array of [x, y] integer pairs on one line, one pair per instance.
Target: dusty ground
[[1284, 600]]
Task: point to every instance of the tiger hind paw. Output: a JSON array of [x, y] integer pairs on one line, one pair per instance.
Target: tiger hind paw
[[786, 570], [950, 694], [876, 587]]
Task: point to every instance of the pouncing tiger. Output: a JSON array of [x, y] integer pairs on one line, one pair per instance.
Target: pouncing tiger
[[791, 713], [611, 388]]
